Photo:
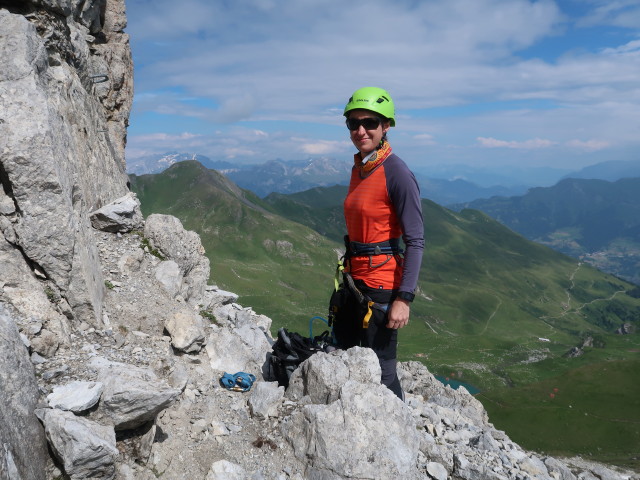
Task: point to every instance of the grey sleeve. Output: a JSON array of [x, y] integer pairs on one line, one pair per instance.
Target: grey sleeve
[[405, 196]]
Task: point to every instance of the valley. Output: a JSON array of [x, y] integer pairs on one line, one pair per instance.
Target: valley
[[596, 221]]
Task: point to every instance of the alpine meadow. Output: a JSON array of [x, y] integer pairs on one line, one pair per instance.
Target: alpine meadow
[[550, 343]]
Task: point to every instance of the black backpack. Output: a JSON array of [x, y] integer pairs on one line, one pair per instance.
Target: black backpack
[[290, 350]]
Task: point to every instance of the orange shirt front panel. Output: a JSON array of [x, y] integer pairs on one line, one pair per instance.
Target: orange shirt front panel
[[370, 218]]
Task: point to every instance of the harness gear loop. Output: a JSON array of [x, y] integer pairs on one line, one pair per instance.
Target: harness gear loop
[[389, 257]]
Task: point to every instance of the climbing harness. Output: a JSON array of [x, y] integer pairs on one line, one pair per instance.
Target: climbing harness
[[344, 285], [345, 290], [238, 382], [390, 248]]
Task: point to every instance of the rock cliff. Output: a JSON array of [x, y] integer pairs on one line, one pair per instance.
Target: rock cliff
[[112, 344], [65, 95]]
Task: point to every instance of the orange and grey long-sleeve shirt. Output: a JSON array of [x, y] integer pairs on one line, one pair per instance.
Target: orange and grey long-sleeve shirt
[[384, 205]]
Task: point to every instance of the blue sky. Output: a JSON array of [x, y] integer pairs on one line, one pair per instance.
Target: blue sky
[[479, 82]]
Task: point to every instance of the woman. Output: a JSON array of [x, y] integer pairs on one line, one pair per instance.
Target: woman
[[382, 206]]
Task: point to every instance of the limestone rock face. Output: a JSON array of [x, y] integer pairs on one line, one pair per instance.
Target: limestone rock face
[[242, 349], [167, 234], [265, 399], [383, 442], [417, 379], [38, 302], [23, 450], [186, 331], [169, 276], [322, 378], [225, 470], [59, 159], [75, 396]]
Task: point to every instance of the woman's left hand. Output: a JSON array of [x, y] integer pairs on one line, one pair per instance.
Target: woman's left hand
[[398, 314]]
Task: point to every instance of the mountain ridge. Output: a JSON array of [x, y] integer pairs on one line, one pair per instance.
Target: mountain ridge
[[279, 176], [446, 185], [595, 220]]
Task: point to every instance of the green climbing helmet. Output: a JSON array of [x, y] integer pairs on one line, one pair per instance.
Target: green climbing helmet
[[374, 99]]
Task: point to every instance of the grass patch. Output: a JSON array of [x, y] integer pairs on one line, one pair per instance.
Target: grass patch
[[592, 411], [145, 244], [209, 316], [52, 296]]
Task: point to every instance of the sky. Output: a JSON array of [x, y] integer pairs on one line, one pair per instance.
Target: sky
[[479, 82]]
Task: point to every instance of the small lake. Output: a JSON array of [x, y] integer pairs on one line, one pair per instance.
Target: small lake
[[455, 384]]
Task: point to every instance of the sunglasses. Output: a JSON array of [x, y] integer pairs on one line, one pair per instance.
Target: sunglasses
[[369, 123]]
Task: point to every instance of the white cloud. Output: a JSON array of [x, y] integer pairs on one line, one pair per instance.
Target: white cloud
[[164, 137], [323, 147], [232, 153], [620, 13], [632, 48], [166, 20], [236, 108], [526, 145], [291, 62], [424, 139], [589, 145]]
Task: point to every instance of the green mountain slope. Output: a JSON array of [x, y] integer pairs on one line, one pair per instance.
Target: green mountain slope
[[596, 219], [493, 309], [278, 267], [319, 208]]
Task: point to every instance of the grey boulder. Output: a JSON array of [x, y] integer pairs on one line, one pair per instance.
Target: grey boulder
[[121, 215], [132, 395], [75, 396], [85, 448]]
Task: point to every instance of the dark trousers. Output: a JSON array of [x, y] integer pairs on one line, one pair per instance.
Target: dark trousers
[[383, 341]]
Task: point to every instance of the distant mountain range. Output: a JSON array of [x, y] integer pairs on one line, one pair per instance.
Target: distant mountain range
[[443, 184], [611, 171], [596, 220], [278, 176], [262, 179], [290, 177], [588, 219], [159, 163], [517, 177]]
